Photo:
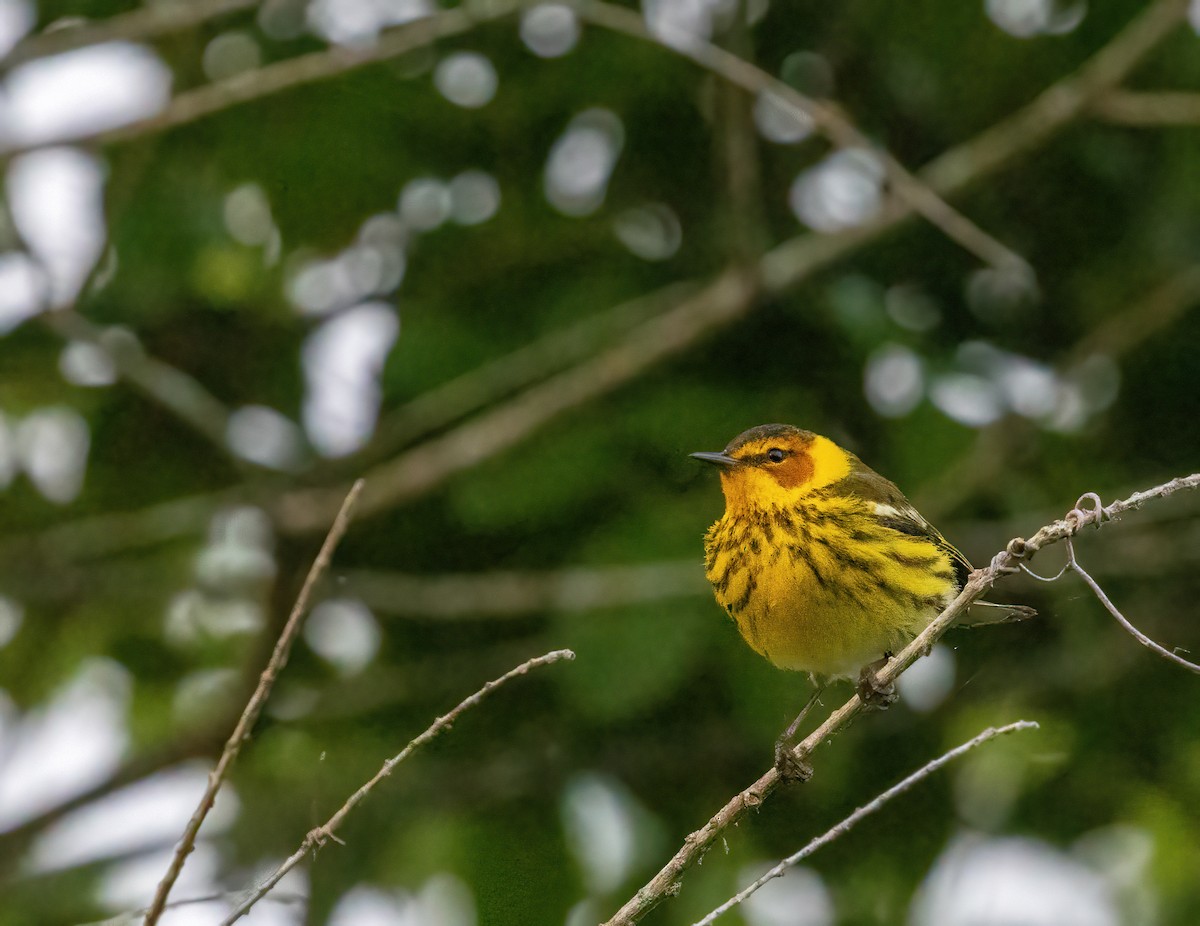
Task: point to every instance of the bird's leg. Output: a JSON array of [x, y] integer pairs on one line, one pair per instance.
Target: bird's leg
[[873, 693], [791, 768]]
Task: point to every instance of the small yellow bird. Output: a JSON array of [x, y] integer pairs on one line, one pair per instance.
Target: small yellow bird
[[823, 563]]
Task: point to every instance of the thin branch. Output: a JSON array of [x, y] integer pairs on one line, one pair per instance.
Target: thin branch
[[1073, 565], [254, 706], [128, 917], [326, 831], [1122, 332], [994, 447], [840, 829], [162, 383], [1059, 104], [432, 463], [495, 379], [148, 22], [512, 594], [1148, 109], [827, 118], [1007, 561], [249, 86]]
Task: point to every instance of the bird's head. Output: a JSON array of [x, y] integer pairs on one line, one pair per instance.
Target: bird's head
[[775, 466]]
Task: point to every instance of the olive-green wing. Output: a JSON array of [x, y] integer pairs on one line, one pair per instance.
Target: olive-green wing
[[896, 512]]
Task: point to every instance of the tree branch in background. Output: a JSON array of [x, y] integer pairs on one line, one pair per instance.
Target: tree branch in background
[[148, 22], [160, 382], [513, 594], [995, 446], [694, 317], [840, 829], [826, 117], [432, 463], [1006, 562], [1060, 103], [728, 297], [1148, 109], [257, 84], [443, 405], [241, 732], [325, 832]]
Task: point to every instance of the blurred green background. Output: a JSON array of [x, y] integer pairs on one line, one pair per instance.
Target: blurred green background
[[513, 277]]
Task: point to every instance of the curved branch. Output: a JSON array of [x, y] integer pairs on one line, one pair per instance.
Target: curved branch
[[1007, 561]]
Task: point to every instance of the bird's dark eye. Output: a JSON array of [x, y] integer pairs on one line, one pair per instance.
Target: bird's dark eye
[[775, 455]]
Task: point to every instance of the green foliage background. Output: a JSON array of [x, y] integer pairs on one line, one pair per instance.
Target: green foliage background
[[664, 704]]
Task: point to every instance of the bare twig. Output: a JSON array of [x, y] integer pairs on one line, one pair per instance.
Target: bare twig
[[254, 706], [826, 117], [148, 22], [130, 916], [840, 829], [1153, 109], [319, 836], [1097, 513], [1007, 561]]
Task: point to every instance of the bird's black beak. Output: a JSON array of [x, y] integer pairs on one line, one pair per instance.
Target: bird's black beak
[[716, 459]]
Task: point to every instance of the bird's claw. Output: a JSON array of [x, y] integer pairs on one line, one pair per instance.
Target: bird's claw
[[790, 766], [872, 692]]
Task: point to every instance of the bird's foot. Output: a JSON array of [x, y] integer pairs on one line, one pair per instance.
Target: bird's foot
[[873, 693]]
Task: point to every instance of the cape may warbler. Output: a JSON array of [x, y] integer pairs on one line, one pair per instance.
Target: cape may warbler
[[823, 563]]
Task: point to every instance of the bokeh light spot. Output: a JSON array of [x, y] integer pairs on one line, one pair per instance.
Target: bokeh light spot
[[342, 363], [83, 91], [581, 162], [230, 53], [844, 190], [85, 364], [344, 633], [779, 121], [52, 444], [894, 380], [652, 232], [466, 79], [425, 203], [474, 197], [550, 30]]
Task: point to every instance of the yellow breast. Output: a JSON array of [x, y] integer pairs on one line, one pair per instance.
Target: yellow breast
[[824, 588]]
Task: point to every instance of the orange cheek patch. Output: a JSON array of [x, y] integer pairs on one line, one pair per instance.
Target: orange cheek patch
[[795, 471]]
